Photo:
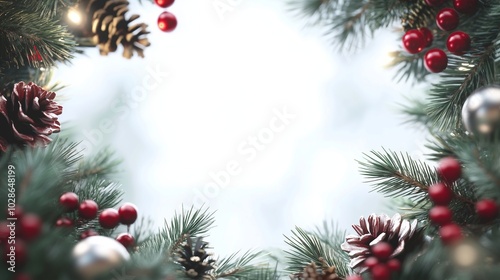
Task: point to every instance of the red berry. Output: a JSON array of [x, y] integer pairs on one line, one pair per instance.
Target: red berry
[[164, 3], [449, 169], [487, 209], [109, 218], [30, 227], [434, 2], [354, 277], [447, 19], [88, 233], [126, 239], [128, 213], [382, 250], [466, 6], [17, 213], [64, 222], [458, 42], [440, 194], [441, 215], [428, 37], [450, 234], [16, 252], [394, 265], [435, 60], [167, 22], [88, 209], [69, 201], [371, 262], [413, 41], [381, 272]]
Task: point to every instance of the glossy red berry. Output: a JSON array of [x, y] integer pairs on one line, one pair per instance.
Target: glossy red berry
[[441, 215], [167, 22], [382, 250], [69, 201], [450, 234], [30, 227], [381, 272], [466, 6], [88, 209], [487, 209], [435, 60], [371, 262], [164, 3], [449, 169], [126, 239], [394, 265], [440, 194], [447, 19], [428, 37], [64, 222], [88, 233], [434, 3], [109, 218], [413, 41], [458, 42], [128, 213]]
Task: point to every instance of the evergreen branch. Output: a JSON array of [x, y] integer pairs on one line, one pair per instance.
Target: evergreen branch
[[307, 248], [103, 164], [232, 268], [408, 65]]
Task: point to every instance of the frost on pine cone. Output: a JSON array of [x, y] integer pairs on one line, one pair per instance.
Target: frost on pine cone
[[395, 231], [106, 24], [28, 116], [311, 272], [195, 260]]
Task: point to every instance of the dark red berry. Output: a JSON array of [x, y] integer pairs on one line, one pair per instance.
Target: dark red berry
[[458, 42], [30, 227], [435, 60], [382, 250], [109, 218], [413, 41], [487, 209], [17, 252], [441, 215], [450, 234], [394, 265], [126, 239], [466, 6], [428, 37], [164, 3], [128, 213], [447, 19], [449, 169], [440, 194], [381, 272], [69, 201], [88, 209], [371, 262]]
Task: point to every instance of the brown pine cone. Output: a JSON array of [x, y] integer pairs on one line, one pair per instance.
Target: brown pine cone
[[28, 116], [311, 272]]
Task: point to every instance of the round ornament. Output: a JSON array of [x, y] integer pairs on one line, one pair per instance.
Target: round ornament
[[167, 22], [481, 111], [435, 60], [414, 41], [458, 42], [447, 19], [95, 255]]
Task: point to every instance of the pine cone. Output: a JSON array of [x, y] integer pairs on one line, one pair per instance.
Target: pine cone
[[195, 259], [108, 27], [311, 272], [395, 231], [28, 116]]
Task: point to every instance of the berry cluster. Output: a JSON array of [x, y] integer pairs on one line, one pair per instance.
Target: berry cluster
[[447, 19], [167, 22], [108, 218], [381, 265], [441, 194], [15, 233]]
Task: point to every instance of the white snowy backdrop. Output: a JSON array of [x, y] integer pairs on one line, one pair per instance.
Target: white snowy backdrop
[[202, 119]]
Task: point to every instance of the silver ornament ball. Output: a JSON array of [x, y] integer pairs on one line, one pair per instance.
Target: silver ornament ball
[[481, 111], [97, 254]]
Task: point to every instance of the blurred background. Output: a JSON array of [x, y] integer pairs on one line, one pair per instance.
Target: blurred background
[[245, 110]]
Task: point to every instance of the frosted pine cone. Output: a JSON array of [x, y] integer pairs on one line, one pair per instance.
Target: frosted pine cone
[[375, 229], [28, 116]]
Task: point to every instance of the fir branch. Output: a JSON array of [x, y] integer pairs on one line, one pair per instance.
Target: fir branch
[[408, 66], [236, 268], [307, 248]]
